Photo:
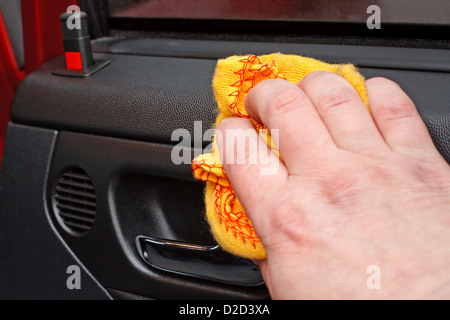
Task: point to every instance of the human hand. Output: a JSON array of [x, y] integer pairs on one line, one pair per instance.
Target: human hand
[[354, 189]]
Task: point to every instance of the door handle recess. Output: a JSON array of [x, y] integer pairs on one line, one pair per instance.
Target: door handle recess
[[205, 262]]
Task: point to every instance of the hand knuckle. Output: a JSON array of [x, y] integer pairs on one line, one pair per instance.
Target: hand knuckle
[[337, 98], [338, 188], [285, 100], [395, 109]]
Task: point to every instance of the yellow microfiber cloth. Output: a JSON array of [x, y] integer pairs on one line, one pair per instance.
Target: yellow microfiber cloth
[[233, 79]]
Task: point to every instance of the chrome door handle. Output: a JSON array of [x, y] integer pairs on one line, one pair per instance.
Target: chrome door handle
[[205, 262]]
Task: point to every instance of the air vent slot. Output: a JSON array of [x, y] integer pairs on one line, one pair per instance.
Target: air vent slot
[[75, 201]]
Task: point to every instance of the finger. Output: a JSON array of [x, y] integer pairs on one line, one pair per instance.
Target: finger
[[343, 111], [397, 119], [252, 168], [283, 107]]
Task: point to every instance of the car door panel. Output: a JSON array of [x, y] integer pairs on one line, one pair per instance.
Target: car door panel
[[117, 126]]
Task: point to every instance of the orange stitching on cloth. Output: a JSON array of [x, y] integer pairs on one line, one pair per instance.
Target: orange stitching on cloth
[[199, 167], [237, 222], [229, 223], [251, 65]]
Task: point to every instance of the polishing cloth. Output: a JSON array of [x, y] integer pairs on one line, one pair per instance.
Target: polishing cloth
[[234, 77]]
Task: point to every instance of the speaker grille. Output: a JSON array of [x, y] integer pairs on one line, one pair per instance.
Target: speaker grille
[[75, 201]]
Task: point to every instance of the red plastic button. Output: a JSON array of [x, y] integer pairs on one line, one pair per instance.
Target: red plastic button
[[73, 61]]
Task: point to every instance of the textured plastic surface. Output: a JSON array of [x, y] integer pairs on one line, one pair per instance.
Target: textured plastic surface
[[34, 259], [142, 98], [147, 98], [139, 191], [144, 95]]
